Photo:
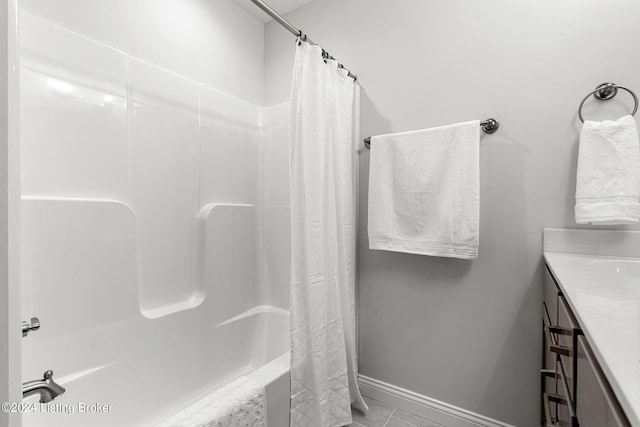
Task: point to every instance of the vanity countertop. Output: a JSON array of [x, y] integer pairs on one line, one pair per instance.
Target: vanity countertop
[[604, 294]]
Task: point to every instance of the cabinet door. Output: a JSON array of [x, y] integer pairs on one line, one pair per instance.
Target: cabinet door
[[596, 405], [548, 382], [565, 406], [551, 293], [548, 375], [567, 339]]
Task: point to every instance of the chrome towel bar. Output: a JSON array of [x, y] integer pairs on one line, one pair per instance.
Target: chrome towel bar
[[488, 126]]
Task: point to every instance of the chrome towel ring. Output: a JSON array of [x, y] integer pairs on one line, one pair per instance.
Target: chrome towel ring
[[607, 91]]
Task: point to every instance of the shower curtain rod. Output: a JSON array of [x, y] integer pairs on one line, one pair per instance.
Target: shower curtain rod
[[296, 32]]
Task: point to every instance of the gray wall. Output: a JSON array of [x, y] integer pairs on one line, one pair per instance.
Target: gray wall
[[468, 332]]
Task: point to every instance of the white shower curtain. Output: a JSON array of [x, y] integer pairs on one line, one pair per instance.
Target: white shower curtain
[[322, 149]]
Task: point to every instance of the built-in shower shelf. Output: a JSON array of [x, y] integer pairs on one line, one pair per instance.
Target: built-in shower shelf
[[225, 239], [79, 250], [189, 303], [228, 256], [89, 250]]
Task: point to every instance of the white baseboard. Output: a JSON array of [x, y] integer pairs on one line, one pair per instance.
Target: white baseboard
[[435, 410]]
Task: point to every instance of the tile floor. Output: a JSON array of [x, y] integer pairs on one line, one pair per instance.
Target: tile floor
[[383, 415]]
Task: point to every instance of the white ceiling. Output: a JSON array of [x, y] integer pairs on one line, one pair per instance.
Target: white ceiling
[[280, 6]]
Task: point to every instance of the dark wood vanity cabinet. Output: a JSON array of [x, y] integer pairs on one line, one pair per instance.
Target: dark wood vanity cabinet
[[575, 392]]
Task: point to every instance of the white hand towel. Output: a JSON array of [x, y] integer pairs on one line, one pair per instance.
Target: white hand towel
[[424, 191], [608, 177]]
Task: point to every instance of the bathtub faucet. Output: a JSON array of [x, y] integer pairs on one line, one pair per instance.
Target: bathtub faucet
[[46, 388]]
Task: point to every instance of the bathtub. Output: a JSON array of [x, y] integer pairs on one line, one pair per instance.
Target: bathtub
[[139, 371]]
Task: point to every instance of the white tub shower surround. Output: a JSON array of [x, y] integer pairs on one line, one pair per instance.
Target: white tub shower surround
[[149, 250], [323, 219]]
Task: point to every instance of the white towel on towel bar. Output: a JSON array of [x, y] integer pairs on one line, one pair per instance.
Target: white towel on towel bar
[[238, 404], [608, 176], [424, 191]]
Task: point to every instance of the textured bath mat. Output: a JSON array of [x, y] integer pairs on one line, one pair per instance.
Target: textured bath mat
[[238, 404]]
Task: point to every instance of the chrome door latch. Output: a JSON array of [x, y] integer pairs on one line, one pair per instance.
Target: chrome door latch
[[28, 327]]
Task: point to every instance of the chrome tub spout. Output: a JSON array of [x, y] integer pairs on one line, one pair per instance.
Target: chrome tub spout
[[46, 388]]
